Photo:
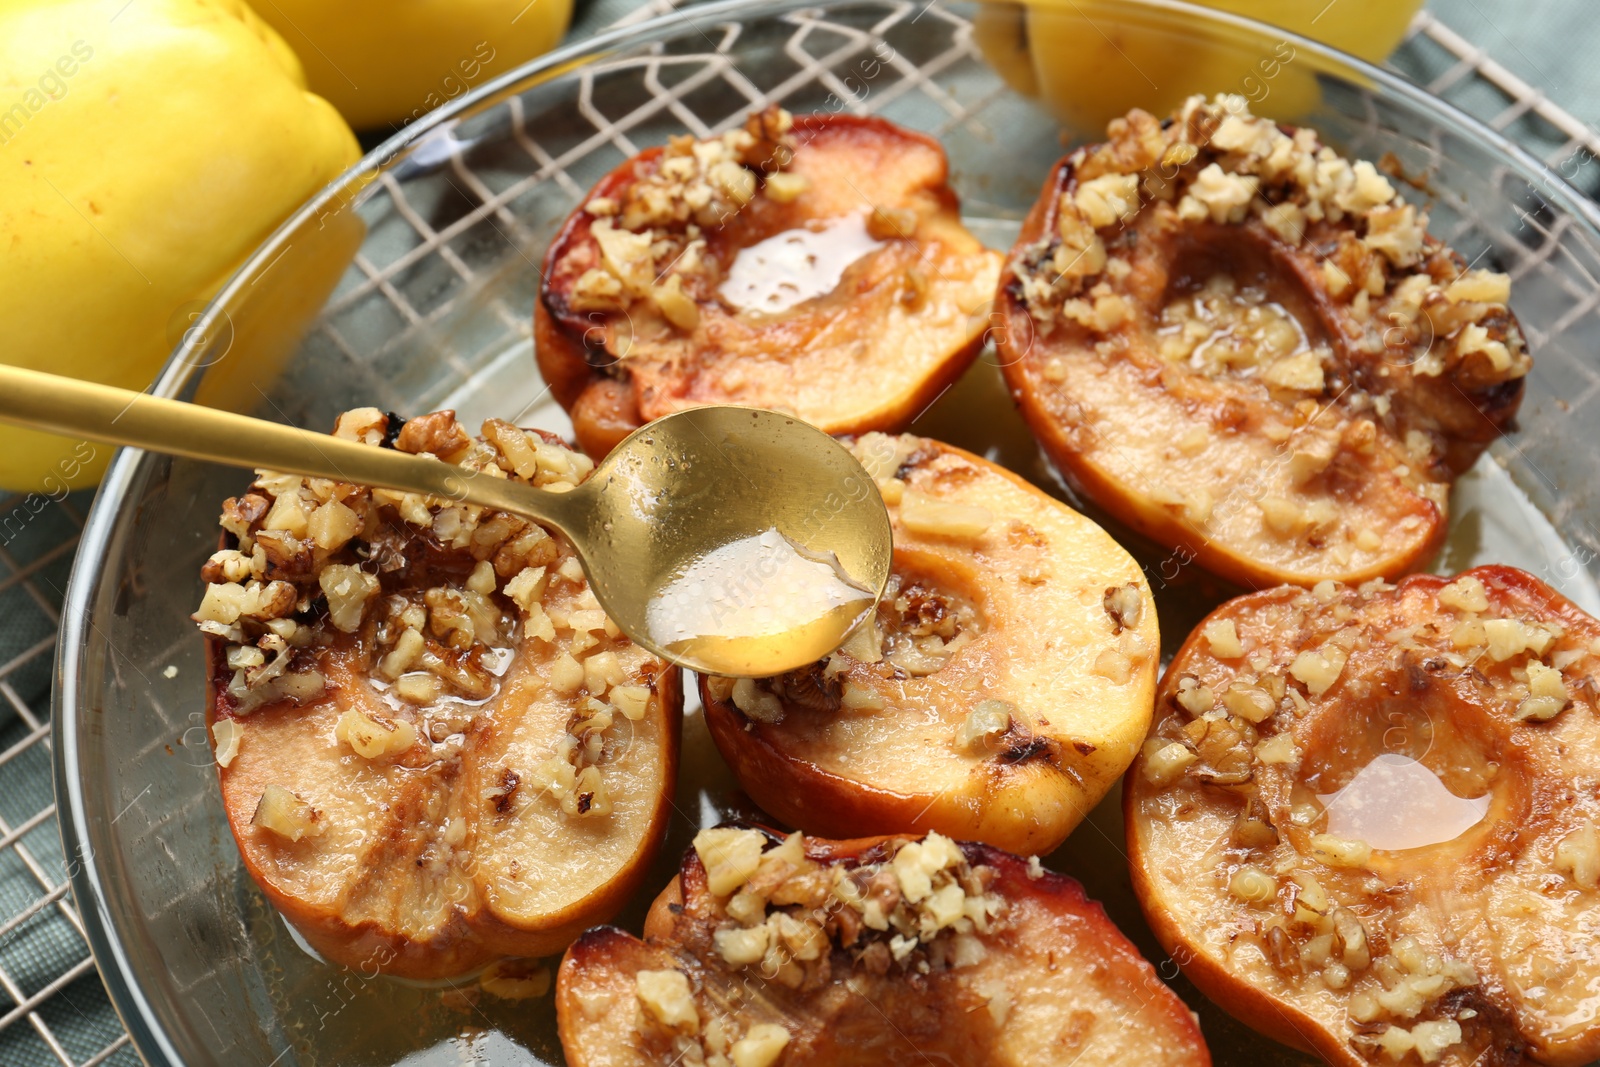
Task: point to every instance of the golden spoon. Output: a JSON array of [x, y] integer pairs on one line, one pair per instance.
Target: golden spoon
[[732, 541]]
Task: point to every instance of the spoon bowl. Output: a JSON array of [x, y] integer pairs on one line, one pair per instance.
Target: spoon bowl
[[732, 541]]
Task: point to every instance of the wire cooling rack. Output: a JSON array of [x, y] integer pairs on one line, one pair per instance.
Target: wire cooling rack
[[53, 1008], [1448, 65]]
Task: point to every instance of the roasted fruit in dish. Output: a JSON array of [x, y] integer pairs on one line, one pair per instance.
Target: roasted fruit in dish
[[816, 265], [1004, 683], [1366, 820], [884, 950], [434, 747], [1250, 349]]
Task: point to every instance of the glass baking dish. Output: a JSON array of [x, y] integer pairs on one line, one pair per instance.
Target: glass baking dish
[[410, 283]]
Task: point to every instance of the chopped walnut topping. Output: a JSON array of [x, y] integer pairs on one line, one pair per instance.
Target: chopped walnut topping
[[436, 433], [288, 816], [1429, 1040], [434, 593], [761, 1046], [665, 995], [922, 907], [1253, 885], [228, 733], [757, 702], [1194, 698], [923, 626], [784, 188], [1294, 879], [1337, 852], [572, 775], [1318, 670], [650, 235], [1108, 199], [916, 631], [1124, 605], [374, 738], [891, 223], [1222, 637], [1165, 762], [1408, 299], [1114, 666], [1578, 856], [1218, 195], [988, 720], [1410, 978], [932, 517]]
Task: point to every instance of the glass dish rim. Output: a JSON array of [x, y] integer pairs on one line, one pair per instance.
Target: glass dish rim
[[148, 1036]]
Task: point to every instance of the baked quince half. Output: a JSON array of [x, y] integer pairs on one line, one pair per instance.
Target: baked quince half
[[815, 264], [773, 952], [1004, 683], [1366, 820], [434, 747], [1250, 349]]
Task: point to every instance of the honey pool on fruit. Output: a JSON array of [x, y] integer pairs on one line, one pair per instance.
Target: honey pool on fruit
[[1395, 803], [334, 1016], [795, 266]]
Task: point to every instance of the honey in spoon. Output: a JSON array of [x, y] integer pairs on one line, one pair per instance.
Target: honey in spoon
[[736, 541], [756, 600]]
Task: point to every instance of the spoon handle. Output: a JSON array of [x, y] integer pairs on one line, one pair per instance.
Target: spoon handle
[[75, 408]]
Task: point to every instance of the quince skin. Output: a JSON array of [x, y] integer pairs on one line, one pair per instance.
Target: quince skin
[[386, 62], [145, 150]]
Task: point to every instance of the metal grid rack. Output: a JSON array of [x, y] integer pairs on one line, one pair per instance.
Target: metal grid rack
[[1475, 81], [53, 1009], [47, 976]]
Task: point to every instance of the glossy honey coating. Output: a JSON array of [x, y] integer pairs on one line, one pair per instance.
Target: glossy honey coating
[[768, 951], [434, 747], [813, 264], [1365, 820], [1249, 347]]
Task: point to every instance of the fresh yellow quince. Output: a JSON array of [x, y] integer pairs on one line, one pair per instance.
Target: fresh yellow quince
[[386, 62], [1090, 61], [146, 149]]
